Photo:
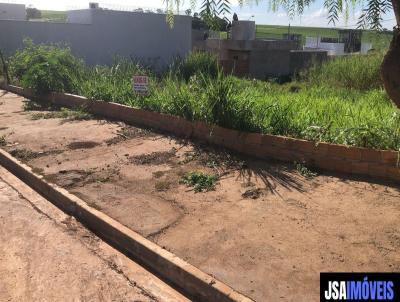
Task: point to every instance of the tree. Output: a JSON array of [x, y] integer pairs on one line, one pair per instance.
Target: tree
[[371, 17], [33, 13]]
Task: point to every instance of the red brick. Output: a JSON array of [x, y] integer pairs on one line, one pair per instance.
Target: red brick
[[301, 145], [393, 173], [273, 140], [377, 170], [201, 130], [321, 149], [333, 164], [370, 155], [345, 152], [390, 157], [253, 139], [359, 167]]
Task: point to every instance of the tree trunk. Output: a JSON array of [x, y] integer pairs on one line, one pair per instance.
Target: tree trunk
[[391, 63]]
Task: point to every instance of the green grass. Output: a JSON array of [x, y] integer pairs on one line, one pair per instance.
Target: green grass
[[379, 40]]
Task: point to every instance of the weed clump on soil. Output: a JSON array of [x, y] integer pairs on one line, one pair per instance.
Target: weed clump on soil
[[158, 174], [154, 158], [3, 141], [128, 132], [64, 113], [304, 171], [24, 154], [213, 158], [82, 145], [162, 186], [49, 111], [200, 181]]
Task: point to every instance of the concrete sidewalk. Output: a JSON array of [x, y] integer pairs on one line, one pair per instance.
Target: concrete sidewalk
[[46, 255]]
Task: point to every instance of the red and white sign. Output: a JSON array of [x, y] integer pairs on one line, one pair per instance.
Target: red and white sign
[[140, 84]]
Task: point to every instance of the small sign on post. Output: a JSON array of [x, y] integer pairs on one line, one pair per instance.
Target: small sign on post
[[140, 84]]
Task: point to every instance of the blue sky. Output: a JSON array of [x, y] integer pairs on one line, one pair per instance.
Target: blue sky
[[315, 15]]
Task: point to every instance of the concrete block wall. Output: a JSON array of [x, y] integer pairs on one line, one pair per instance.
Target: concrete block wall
[[143, 36], [302, 59], [11, 11]]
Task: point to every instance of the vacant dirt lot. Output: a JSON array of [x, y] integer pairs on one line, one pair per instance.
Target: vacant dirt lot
[[266, 230]]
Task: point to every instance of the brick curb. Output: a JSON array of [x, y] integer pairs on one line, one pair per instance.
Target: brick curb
[[190, 279], [326, 156]]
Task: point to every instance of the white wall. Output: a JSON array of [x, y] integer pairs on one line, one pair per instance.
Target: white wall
[[334, 49], [143, 36], [9, 11]]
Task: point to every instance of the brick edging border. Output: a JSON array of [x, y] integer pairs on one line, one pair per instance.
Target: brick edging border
[[185, 276], [326, 156]]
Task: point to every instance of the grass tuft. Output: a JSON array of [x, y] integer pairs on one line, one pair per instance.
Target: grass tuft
[[200, 181]]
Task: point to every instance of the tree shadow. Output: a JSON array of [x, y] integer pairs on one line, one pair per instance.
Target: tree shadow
[[272, 174]]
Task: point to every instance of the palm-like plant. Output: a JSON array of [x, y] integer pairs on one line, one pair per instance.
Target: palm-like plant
[[371, 17]]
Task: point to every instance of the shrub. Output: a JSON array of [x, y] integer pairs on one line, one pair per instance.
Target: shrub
[[46, 68]]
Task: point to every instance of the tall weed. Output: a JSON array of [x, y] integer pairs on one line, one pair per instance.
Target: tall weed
[[360, 72]]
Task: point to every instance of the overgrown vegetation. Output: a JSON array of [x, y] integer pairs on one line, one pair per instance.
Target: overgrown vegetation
[[200, 181], [341, 101], [63, 113], [198, 63], [351, 72], [46, 68]]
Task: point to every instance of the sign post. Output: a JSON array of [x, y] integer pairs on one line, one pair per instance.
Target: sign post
[[140, 84]]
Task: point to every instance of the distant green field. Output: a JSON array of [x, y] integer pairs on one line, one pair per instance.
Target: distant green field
[[55, 16], [379, 40]]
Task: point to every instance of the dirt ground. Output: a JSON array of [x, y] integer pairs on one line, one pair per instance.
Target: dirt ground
[[266, 229], [46, 255]]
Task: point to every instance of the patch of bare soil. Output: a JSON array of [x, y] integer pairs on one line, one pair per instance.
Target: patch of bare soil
[[267, 230]]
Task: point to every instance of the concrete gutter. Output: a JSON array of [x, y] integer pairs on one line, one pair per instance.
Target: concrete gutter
[[192, 281]]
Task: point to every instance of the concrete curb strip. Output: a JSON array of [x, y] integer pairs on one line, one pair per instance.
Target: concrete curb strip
[[191, 280], [326, 156]]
